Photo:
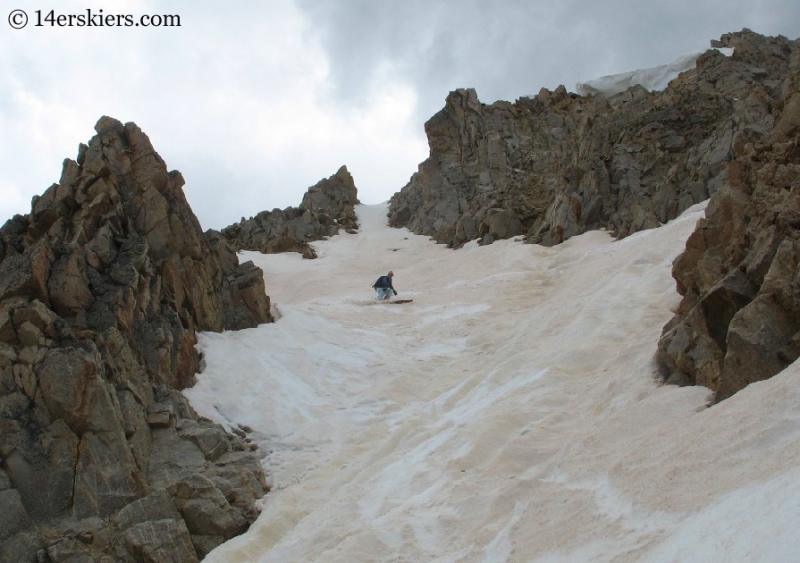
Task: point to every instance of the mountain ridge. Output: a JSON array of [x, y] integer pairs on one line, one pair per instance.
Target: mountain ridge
[[557, 165]]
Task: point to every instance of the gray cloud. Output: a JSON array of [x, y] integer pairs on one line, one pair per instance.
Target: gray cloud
[[513, 48], [255, 102]]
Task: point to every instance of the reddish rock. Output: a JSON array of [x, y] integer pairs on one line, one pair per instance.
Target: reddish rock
[[102, 289]]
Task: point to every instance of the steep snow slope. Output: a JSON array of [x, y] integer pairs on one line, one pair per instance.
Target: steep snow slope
[[510, 413]]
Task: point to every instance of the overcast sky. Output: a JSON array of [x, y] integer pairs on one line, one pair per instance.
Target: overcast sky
[[255, 101]]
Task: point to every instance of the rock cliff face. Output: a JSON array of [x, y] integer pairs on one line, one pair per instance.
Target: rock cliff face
[[559, 164], [102, 289], [739, 320], [326, 207]]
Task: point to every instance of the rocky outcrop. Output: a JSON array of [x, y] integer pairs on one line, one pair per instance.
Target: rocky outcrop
[[102, 289], [326, 207], [739, 320], [558, 164]]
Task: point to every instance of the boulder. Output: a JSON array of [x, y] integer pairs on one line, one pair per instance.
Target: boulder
[[158, 541]]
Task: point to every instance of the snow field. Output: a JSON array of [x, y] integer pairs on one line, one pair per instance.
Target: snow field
[[510, 413]]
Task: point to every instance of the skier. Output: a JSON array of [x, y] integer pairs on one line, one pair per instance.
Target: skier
[[383, 286]]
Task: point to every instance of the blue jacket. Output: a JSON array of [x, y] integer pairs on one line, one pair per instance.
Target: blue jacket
[[383, 283]]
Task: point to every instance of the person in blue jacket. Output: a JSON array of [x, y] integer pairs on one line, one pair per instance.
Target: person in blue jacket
[[383, 286]]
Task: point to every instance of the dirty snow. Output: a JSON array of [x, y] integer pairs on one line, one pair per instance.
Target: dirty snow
[[510, 413]]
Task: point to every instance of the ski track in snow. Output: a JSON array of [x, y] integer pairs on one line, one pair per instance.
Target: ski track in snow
[[510, 413]]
